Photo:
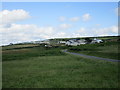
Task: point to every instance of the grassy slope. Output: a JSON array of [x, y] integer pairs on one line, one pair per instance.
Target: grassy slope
[[106, 50], [40, 68]]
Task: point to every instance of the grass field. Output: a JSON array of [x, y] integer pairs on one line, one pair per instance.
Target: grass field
[[19, 46], [105, 50], [40, 67]]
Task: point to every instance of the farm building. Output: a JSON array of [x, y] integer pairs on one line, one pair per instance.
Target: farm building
[[62, 42], [75, 42], [96, 41]]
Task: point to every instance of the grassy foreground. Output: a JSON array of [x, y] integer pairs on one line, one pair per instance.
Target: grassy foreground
[[49, 68], [59, 72]]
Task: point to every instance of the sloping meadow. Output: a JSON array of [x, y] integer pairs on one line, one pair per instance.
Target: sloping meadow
[[40, 67]]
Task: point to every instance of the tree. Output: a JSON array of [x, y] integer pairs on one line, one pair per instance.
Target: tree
[[88, 40], [11, 44]]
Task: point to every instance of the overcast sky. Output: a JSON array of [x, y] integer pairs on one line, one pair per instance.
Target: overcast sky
[[30, 21]]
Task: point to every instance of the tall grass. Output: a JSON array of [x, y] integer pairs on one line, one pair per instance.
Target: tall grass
[[41, 67], [19, 54], [59, 72]]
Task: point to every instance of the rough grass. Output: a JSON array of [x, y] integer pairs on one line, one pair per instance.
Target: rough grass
[[59, 72], [50, 68], [105, 50], [19, 54], [17, 46]]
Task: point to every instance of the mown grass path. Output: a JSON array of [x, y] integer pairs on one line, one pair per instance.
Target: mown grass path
[[92, 57]]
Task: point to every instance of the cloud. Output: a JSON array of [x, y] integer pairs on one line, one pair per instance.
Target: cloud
[[114, 29], [13, 16], [62, 18], [27, 32], [60, 35], [74, 19], [82, 32], [106, 31], [65, 26], [11, 32], [16, 33], [86, 17]]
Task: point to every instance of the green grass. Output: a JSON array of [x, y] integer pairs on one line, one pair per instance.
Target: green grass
[[19, 54], [59, 72], [105, 50], [19, 46], [49, 68]]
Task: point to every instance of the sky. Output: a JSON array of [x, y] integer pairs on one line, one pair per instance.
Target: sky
[[32, 21]]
